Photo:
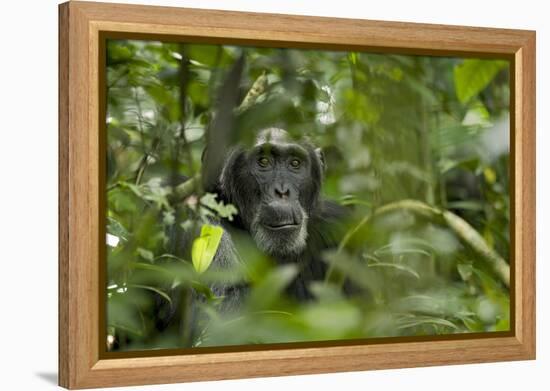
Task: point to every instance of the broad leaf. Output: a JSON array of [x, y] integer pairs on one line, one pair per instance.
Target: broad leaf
[[473, 75], [267, 291], [205, 247]]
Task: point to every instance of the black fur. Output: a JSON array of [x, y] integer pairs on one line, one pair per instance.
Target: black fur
[[239, 185]]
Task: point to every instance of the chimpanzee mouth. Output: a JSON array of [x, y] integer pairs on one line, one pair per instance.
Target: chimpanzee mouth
[[281, 226]]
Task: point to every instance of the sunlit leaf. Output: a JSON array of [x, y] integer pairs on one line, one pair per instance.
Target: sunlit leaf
[[490, 175], [224, 210], [205, 247], [473, 75], [115, 228]]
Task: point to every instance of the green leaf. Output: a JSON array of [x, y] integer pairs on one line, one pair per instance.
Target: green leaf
[[123, 314], [152, 289], [160, 94], [397, 266], [209, 55], [223, 210], [331, 320], [149, 267], [395, 250], [205, 290], [326, 292], [267, 291], [205, 247], [146, 254], [114, 227], [169, 256], [490, 175], [465, 270], [415, 321], [474, 75]]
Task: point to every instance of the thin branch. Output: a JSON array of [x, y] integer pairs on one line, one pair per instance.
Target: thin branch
[[187, 188], [465, 232], [145, 159]]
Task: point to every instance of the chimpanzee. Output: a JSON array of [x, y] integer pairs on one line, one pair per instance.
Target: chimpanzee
[[276, 185]]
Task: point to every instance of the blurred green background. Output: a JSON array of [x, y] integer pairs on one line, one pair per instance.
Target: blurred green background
[[417, 148]]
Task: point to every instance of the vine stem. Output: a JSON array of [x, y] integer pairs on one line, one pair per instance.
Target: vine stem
[[465, 232]]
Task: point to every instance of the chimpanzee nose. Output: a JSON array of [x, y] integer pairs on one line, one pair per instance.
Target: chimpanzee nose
[[282, 191]]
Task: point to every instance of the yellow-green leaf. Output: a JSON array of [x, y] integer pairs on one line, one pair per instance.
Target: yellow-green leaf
[[490, 175], [205, 247], [473, 75]]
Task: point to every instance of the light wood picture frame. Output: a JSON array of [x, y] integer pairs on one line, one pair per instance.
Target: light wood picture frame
[[82, 364]]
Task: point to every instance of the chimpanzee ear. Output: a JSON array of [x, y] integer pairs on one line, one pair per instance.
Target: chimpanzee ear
[[321, 156]]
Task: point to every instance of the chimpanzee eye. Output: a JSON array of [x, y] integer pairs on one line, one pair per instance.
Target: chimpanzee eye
[[263, 162], [295, 163]]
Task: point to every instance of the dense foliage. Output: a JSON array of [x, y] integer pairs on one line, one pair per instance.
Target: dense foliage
[[416, 148]]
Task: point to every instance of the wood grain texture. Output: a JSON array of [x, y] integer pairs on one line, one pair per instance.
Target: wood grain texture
[[289, 30], [80, 365], [525, 191], [63, 220]]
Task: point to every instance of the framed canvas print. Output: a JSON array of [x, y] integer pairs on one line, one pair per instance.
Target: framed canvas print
[[248, 195]]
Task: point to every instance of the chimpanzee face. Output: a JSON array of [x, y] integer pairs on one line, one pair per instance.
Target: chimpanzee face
[[275, 185]]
